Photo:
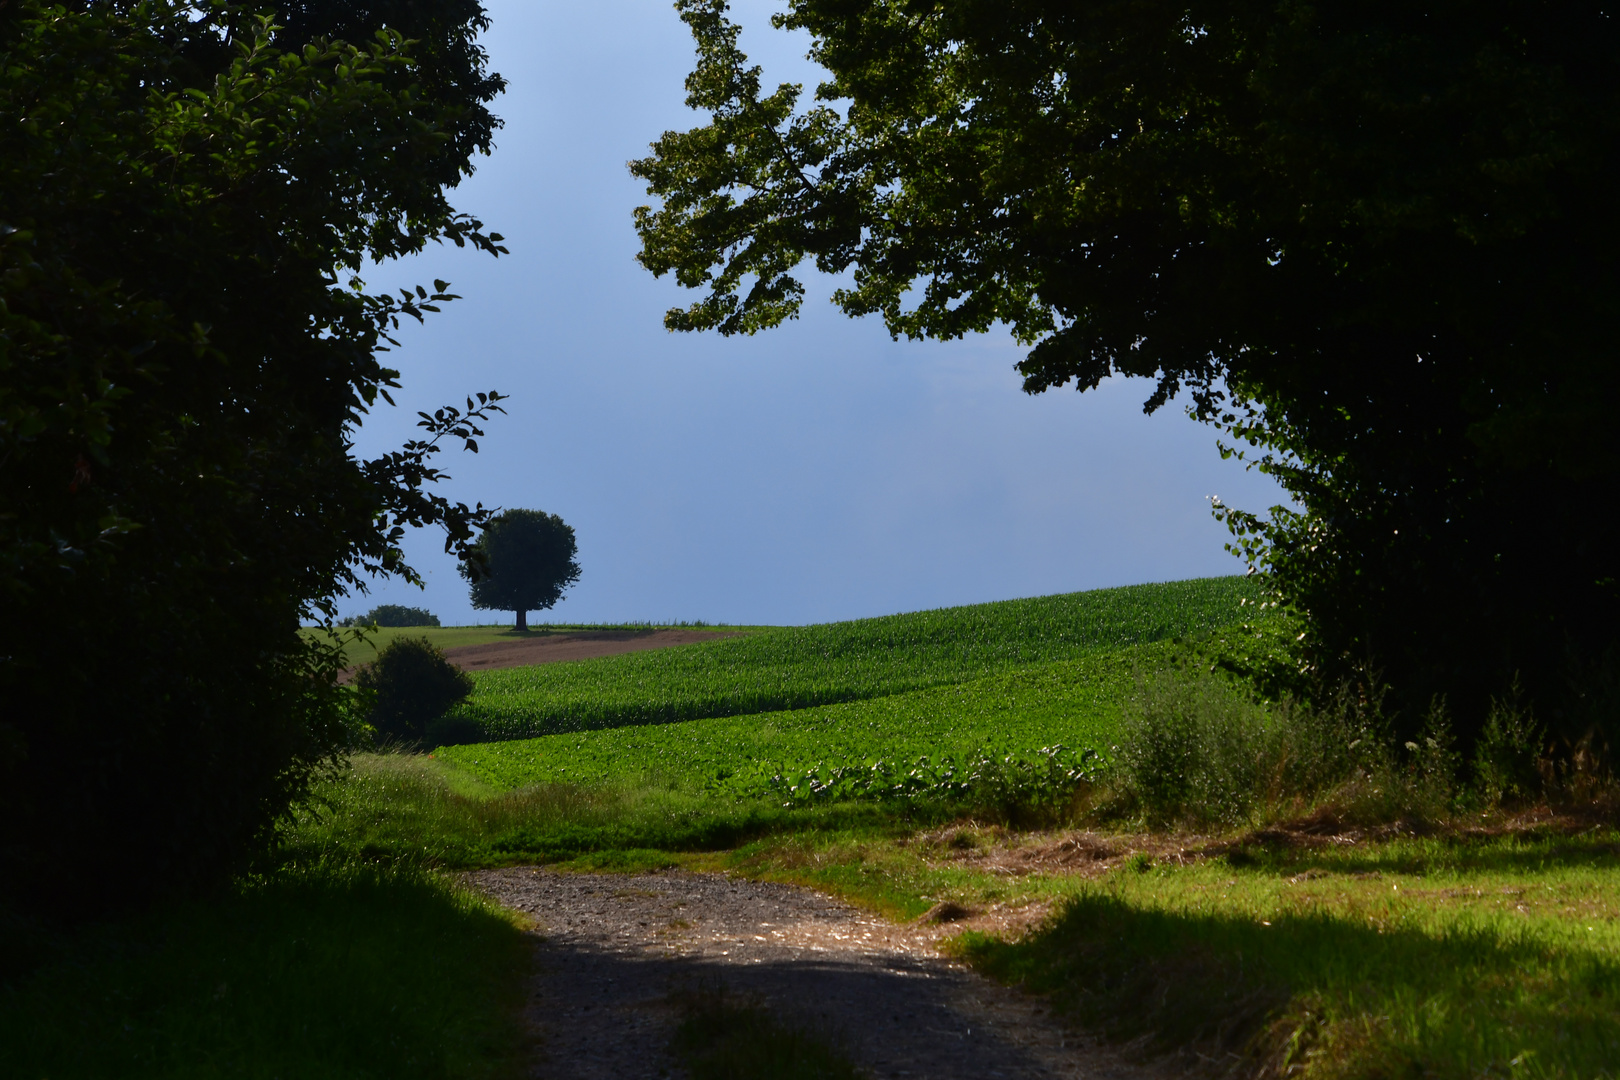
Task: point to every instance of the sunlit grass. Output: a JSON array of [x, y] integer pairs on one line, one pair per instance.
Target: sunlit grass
[[408, 809]]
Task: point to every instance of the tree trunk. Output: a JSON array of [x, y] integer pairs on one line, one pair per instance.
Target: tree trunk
[[522, 620]]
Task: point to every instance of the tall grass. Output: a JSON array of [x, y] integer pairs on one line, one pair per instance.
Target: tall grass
[[321, 971], [1199, 749], [1407, 959]]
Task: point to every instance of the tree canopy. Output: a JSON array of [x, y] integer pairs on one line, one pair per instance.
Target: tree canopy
[[188, 194], [395, 615], [1375, 244], [522, 562]]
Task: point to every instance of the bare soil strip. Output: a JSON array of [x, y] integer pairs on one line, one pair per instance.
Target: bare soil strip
[[577, 645], [617, 951]]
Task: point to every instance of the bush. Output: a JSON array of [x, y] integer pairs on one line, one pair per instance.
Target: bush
[[393, 615], [1507, 755], [1195, 748], [413, 685]]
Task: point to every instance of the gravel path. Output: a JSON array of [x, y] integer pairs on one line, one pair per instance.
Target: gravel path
[[615, 948]]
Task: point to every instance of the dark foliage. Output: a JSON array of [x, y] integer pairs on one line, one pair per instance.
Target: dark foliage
[[1376, 242], [185, 350], [392, 615], [411, 685], [522, 562]]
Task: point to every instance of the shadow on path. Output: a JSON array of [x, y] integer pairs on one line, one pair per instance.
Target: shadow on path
[[615, 950]]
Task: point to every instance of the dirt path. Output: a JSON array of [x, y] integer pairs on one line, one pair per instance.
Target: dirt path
[[615, 948], [580, 645]]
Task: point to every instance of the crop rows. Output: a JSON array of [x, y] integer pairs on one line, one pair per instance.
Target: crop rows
[[797, 668], [1033, 723]]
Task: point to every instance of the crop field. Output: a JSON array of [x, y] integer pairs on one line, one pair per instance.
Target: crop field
[[774, 670], [921, 743]]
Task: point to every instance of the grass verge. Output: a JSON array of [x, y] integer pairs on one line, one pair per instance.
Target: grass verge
[[321, 971], [1448, 956], [403, 809], [1414, 959]]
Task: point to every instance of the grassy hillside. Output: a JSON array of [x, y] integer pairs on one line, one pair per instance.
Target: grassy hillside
[[931, 734], [801, 667]]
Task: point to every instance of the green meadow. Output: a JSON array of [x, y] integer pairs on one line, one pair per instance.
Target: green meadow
[[898, 762]]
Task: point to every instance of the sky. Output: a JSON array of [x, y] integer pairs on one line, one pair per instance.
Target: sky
[[815, 472]]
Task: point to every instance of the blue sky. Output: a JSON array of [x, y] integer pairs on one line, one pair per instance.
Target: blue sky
[[816, 472]]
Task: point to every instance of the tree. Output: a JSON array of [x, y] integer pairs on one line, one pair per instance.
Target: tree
[[1375, 242], [188, 193], [522, 562], [392, 615]]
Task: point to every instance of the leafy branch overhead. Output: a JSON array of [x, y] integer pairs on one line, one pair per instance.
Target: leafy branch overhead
[[1373, 243]]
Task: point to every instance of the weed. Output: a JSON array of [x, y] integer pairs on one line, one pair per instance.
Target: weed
[[1508, 753]]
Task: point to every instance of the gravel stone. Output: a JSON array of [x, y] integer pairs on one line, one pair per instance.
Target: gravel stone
[[615, 950]]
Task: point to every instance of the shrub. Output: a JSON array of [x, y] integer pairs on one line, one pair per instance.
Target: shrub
[[1195, 748], [413, 685], [1508, 754]]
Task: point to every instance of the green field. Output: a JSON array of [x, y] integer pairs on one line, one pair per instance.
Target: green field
[[887, 761], [931, 733], [789, 668]]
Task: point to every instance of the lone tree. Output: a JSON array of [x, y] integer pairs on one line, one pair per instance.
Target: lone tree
[[522, 562]]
